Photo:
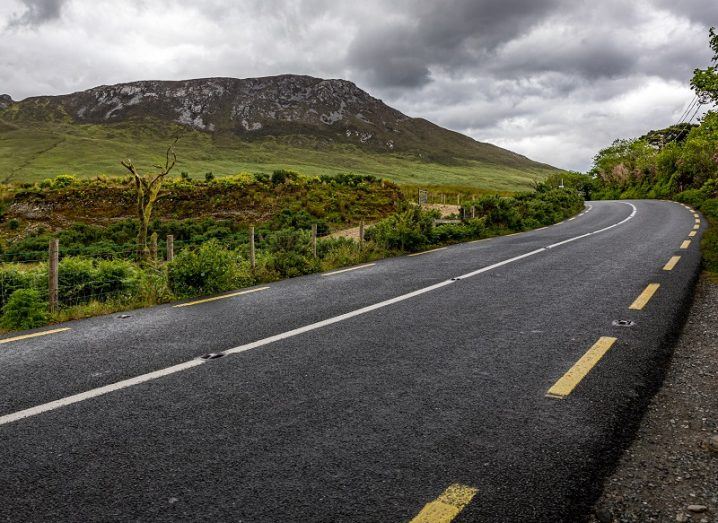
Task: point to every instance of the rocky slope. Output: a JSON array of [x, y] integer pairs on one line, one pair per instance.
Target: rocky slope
[[331, 111]]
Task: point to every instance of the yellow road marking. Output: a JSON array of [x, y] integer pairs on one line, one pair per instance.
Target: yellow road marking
[[645, 296], [698, 222], [215, 298], [447, 506], [349, 269], [33, 335], [427, 252], [685, 244], [696, 226], [565, 385], [671, 263], [695, 215], [692, 234]]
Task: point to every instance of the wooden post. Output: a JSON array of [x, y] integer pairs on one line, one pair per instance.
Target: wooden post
[[473, 211], [53, 262], [252, 257], [361, 233], [314, 239], [170, 247], [443, 199], [458, 199], [153, 246]]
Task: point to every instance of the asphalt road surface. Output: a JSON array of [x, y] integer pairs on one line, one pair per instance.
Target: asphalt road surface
[[481, 382]]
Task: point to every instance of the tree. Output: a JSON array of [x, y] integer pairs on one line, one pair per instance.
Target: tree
[[705, 81], [148, 188]]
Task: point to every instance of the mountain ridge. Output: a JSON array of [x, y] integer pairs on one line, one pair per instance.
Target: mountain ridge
[[331, 118]]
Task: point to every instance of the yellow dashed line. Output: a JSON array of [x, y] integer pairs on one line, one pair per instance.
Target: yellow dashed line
[[692, 234], [427, 252], [645, 296], [671, 263], [696, 226], [685, 244], [215, 298], [564, 386], [447, 506], [34, 335]]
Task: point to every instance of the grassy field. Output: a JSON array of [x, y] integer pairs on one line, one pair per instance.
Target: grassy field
[[33, 152]]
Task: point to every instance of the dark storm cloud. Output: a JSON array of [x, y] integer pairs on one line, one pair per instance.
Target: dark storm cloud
[[450, 34], [37, 12]]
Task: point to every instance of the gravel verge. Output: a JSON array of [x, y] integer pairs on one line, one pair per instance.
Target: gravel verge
[[670, 471]]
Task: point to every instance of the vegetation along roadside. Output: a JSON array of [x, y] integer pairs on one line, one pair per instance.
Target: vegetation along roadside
[[102, 269]]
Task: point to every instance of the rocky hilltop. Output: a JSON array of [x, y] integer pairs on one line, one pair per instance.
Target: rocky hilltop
[[328, 111], [5, 101]]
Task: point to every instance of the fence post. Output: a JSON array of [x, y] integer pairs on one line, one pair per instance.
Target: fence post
[[170, 247], [473, 211], [361, 233], [153, 246], [458, 199], [443, 199], [314, 239], [53, 260], [252, 258]]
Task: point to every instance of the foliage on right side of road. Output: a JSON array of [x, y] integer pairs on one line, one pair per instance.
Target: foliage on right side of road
[[679, 163]]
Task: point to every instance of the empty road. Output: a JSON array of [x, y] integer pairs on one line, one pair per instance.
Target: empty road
[[488, 381]]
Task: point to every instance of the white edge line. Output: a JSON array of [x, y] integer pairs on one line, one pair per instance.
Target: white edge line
[[45, 407], [93, 393], [349, 269]]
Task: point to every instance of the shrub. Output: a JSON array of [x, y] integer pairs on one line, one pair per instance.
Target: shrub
[[208, 176], [75, 277], [284, 176], [301, 219], [14, 277], [291, 253], [13, 224], [24, 310], [692, 197], [207, 270], [406, 231]]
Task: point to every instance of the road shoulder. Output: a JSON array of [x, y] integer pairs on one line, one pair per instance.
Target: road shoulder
[[670, 471]]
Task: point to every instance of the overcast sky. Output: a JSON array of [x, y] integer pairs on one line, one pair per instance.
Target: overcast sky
[[555, 80]]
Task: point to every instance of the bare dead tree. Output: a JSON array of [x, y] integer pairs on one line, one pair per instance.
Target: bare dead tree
[[148, 187]]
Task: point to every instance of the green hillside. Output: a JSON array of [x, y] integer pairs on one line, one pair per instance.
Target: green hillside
[[31, 152]]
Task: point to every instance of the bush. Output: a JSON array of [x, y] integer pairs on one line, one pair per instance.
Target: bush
[[14, 277], [283, 176], [406, 231], [291, 253], [207, 270], [24, 310]]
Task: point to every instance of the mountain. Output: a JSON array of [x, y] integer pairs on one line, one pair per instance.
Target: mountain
[[330, 118]]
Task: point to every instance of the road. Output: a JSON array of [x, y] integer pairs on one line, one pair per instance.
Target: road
[[480, 382]]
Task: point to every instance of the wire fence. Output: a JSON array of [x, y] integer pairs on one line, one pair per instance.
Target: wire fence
[[67, 277]]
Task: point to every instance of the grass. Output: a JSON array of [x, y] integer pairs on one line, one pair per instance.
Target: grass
[[33, 152]]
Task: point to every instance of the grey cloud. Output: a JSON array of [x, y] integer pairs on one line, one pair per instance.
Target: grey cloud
[[553, 79], [450, 34], [37, 12]]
